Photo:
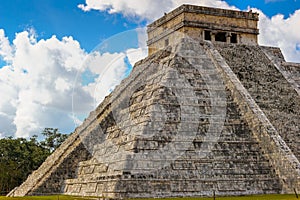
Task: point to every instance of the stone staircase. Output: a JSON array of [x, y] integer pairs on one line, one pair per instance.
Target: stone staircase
[[270, 89], [223, 155], [63, 163], [60, 165]]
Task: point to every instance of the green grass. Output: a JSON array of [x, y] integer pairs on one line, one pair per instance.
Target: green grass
[[254, 197], [53, 197]]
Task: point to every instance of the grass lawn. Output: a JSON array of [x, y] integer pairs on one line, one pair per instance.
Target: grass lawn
[[54, 197], [255, 197]]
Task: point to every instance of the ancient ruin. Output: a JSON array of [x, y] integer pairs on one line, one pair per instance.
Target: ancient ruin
[[203, 23], [208, 111]]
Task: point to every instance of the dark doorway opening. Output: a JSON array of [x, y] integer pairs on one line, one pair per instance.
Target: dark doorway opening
[[221, 37], [233, 38], [207, 35]]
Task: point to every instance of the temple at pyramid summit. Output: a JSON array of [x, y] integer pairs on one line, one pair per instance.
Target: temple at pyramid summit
[[208, 112]]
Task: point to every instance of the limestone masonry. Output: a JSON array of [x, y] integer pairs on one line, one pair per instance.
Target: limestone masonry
[[208, 111], [203, 23]]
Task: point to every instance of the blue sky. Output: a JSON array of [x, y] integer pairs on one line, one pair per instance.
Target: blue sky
[[54, 53], [64, 18], [269, 7], [61, 18]]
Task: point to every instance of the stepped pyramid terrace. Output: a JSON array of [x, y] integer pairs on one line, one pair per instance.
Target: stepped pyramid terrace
[[209, 111]]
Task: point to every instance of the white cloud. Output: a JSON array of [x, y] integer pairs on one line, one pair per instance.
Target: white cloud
[[283, 33], [39, 81], [135, 55], [6, 123], [129, 8], [62, 84], [209, 3], [145, 9], [110, 77], [142, 37], [5, 48], [38, 78], [109, 68], [272, 1], [95, 60]]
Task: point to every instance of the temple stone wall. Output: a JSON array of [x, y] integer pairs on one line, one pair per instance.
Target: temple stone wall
[[194, 20]]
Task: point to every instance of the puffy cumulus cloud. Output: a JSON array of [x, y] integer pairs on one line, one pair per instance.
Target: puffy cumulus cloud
[[44, 82], [147, 9], [103, 72], [111, 74], [135, 55], [144, 9], [95, 60], [36, 81], [111, 68], [62, 84], [281, 32], [5, 48]]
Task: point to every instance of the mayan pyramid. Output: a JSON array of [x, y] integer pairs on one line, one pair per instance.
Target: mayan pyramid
[[208, 111]]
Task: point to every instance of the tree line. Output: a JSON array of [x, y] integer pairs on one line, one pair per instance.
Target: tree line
[[20, 156]]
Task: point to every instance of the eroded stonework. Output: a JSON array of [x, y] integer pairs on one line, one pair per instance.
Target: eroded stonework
[[193, 119]]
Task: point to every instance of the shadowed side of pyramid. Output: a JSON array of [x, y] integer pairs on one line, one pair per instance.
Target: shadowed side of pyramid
[[274, 88]]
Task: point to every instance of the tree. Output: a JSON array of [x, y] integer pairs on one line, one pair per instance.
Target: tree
[[53, 138], [19, 157]]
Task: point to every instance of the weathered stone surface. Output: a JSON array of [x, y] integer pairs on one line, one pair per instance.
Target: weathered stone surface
[[197, 22], [270, 88], [190, 120]]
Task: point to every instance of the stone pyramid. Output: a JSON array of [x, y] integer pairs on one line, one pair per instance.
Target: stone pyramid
[[209, 111]]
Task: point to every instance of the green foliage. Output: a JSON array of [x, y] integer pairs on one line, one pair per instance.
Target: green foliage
[[53, 138], [19, 157]]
